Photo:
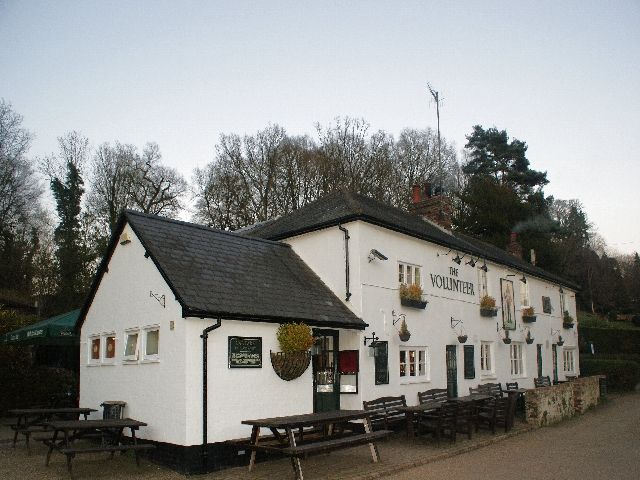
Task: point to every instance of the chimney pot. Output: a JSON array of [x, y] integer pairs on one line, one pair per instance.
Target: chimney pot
[[514, 248], [415, 194]]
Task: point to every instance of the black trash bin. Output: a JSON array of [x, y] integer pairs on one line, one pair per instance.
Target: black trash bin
[[112, 409], [603, 386]]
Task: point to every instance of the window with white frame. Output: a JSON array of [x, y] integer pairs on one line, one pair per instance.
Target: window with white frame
[[524, 294], [131, 341], [483, 285], [517, 361], [109, 347], [486, 358], [409, 274], [95, 344], [151, 342], [414, 364], [568, 357]]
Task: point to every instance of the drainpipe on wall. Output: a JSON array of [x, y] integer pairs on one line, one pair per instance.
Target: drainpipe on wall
[[346, 259], [205, 337]]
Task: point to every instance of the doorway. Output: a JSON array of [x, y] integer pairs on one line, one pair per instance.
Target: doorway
[[539, 358], [326, 381], [554, 350], [452, 370]]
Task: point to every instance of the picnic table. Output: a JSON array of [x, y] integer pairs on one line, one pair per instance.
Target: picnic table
[[34, 420], [411, 411], [67, 433], [330, 438]]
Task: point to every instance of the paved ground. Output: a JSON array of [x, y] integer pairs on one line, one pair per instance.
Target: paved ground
[[604, 443]]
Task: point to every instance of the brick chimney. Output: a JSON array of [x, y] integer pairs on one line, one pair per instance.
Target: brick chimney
[[433, 207], [514, 248]]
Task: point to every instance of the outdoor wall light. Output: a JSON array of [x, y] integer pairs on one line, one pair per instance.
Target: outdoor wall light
[[523, 279], [472, 262], [458, 258], [376, 254], [484, 267]]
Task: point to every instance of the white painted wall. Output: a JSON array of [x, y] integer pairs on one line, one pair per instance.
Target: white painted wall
[[376, 298], [154, 391]]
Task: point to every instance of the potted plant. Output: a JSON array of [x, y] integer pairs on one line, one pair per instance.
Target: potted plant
[[404, 332], [295, 340], [567, 320], [506, 339], [528, 315], [560, 341], [529, 339], [488, 306], [462, 338], [411, 296]]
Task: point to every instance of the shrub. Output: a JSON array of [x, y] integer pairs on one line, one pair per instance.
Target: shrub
[[294, 337], [412, 292], [621, 374], [611, 340], [488, 302], [528, 312]]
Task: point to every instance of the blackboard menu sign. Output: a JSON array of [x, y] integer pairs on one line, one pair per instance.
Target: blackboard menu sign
[[245, 352]]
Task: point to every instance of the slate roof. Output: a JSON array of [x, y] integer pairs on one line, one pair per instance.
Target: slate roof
[[215, 273], [343, 206]]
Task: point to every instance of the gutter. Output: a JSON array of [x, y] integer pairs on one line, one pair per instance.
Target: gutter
[[346, 260], [205, 337]]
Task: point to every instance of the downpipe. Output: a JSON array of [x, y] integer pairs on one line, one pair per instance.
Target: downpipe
[[346, 260], [205, 337]]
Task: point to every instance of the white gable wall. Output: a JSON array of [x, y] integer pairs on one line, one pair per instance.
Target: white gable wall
[[155, 390]]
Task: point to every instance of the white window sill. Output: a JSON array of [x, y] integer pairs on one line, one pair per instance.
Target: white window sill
[[412, 382], [130, 362], [94, 364], [151, 360], [488, 376], [109, 363]]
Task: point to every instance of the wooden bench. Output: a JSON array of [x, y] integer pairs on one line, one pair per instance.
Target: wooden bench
[[542, 382], [385, 411], [493, 389], [433, 395], [335, 443]]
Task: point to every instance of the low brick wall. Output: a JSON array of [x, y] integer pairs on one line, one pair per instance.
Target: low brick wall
[[547, 405]]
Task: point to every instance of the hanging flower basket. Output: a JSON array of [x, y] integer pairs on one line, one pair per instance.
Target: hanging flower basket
[[529, 318], [411, 296], [560, 341], [529, 339], [410, 302], [567, 325], [488, 312], [404, 332], [506, 340], [462, 338], [404, 337], [290, 365]]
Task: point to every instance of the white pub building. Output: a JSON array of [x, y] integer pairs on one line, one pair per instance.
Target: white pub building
[[181, 320]]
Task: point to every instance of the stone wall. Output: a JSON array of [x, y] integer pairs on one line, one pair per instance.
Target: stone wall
[[547, 405]]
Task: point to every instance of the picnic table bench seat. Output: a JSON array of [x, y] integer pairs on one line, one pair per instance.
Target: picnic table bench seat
[[386, 411], [542, 381], [335, 443]]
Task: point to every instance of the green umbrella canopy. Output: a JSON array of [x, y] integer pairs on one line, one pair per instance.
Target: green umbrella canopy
[[58, 330]]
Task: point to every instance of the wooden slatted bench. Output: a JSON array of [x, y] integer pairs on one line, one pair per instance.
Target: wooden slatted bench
[[335, 443], [386, 411], [542, 381]]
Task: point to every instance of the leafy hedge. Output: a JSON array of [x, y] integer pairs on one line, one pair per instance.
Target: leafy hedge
[[24, 388], [609, 340], [621, 374]]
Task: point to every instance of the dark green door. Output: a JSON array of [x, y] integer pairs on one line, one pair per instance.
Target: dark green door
[[539, 357], [452, 371], [554, 350], [326, 382]]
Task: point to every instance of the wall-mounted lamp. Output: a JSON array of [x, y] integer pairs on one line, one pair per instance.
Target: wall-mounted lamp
[[376, 254], [523, 279], [484, 267], [372, 338], [561, 291], [458, 258], [472, 262]]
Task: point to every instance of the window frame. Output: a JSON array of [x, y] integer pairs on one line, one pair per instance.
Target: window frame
[[90, 341], [491, 371], [568, 359], [106, 336], [403, 273], [517, 360], [153, 357], [135, 357], [417, 378]]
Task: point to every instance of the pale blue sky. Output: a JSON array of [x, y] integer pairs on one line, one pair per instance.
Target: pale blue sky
[[562, 76]]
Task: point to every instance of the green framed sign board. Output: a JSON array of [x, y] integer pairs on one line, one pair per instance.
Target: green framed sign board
[[245, 352]]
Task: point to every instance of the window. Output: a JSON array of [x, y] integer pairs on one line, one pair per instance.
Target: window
[[483, 286], [414, 364], [517, 364], [469, 362], [152, 337], [567, 356], [94, 353], [486, 358], [110, 347], [409, 274], [524, 294], [381, 352], [546, 304], [131, 345]]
